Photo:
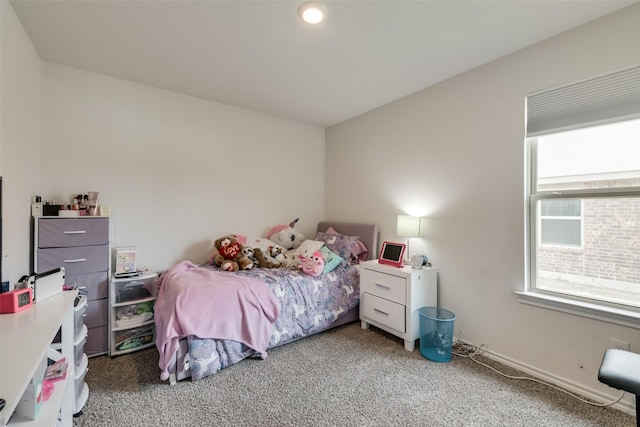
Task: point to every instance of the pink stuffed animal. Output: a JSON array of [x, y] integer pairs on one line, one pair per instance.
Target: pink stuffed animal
[[312, 265]]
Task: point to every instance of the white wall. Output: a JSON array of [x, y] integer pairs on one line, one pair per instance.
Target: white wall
[[20, 95], [177, 171], [455, 152]]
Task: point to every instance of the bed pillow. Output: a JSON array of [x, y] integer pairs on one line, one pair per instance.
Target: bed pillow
[[331, 260], [340, 244], [360, 251], [307, 248]]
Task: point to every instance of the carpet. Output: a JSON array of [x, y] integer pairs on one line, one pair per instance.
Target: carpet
[[344, 377]]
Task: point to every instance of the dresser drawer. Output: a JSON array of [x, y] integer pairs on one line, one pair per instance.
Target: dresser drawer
[[384, 285], [97, 341], [76, 261], [97, 313], [93, 285], [67, 232], [383, 311]]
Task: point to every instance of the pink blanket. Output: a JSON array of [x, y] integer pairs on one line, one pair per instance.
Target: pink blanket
[[212, 304]]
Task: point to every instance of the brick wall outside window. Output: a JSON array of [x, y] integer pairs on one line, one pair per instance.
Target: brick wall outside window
[[611, 241]]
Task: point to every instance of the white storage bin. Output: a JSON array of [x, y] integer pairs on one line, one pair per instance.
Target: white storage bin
[[81, 399], [79, 314], [128, 316], [78, 345], [79, 383]]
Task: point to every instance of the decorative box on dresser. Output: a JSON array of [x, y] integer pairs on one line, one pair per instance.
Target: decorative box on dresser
[[80, 245], [131, 324], [390, 298]]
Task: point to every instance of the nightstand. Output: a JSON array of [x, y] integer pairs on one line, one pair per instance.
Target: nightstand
[[131, 321], [390, 298]]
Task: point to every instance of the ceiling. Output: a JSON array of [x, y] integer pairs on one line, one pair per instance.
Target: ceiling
[[260, 56]]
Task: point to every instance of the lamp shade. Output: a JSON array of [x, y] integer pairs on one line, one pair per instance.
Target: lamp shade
[[408, 226]]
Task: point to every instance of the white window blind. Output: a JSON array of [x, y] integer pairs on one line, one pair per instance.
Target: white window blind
[[596, 101]]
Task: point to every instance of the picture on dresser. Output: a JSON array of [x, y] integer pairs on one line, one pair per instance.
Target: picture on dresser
[[126, 262]]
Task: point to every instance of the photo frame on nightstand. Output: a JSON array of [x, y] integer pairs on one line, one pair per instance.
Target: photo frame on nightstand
[[392, 254], [126, 262]]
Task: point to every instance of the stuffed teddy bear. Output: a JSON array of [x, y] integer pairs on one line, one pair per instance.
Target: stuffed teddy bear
[[230, 256], [265, 261], [278, 254], [312, 265], [285, 235], [250, 253]]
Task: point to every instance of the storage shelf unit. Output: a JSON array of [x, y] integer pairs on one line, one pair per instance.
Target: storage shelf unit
[[82, 246], [25, 340], [80, 361], [131, 321]]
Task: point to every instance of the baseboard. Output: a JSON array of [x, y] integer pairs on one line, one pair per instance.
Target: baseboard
[[626, 404]]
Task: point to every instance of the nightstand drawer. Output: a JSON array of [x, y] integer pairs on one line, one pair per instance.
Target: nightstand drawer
[[384, 285], [383, 311]]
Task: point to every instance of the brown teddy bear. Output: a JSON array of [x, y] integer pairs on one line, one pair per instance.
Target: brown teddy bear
[[263, 260], [230, 256]]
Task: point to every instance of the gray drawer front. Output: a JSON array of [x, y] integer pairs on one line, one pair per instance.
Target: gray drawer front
[[66, 232], [76, 261], [97, 341], [93, 285], [97, 313]]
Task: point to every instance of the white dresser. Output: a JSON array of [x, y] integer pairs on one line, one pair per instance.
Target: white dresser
[[390, 298], [81, 246]]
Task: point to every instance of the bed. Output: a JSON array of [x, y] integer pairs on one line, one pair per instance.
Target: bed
[[208, 319]]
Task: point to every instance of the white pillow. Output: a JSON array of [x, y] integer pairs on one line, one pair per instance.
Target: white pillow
[[307, 248]]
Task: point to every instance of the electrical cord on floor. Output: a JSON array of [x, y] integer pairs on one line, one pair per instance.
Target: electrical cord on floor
[[469, 351]]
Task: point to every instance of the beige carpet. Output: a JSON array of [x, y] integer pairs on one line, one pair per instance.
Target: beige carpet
[[345, 377]]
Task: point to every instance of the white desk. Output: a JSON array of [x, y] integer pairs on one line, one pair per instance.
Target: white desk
[[25, 339]]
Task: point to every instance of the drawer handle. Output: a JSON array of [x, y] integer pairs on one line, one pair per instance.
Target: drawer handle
[[381, 312], [75, 260], [383, 286], [76, 232]]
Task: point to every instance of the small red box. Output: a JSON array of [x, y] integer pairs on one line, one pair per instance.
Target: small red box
[[15, 300]]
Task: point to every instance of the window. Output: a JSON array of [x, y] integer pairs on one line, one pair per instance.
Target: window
[[561, 222], [583, 145]]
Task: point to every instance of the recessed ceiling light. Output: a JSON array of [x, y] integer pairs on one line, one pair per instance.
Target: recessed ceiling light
[[312, 12]]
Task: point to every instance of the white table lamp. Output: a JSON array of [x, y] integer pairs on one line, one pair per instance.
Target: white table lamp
[[409, 227]]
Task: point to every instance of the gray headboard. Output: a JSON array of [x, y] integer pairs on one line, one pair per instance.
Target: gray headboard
[[368, 233]]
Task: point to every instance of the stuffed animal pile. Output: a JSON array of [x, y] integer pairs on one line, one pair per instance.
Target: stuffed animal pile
[[230, 254]]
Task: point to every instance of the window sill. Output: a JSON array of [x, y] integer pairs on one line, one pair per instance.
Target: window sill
[[584, 309]]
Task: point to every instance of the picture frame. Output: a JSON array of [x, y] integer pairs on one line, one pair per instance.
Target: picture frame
[[392, 253], [126, 262]]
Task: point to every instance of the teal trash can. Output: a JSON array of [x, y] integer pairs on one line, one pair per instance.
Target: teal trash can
[[436, 333]]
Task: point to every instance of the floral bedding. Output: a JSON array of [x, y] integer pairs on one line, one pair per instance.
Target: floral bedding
[[308, 305]]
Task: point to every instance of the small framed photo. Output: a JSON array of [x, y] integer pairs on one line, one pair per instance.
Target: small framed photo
[[126, 262], [392, 254]]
